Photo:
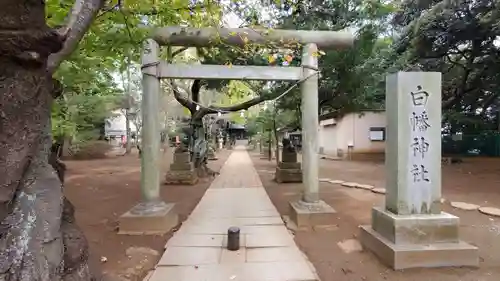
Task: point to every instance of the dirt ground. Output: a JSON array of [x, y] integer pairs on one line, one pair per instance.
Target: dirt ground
[[474, 181], [104, 189]]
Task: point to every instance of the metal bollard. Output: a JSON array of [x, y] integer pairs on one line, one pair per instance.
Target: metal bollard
[[233, 238]]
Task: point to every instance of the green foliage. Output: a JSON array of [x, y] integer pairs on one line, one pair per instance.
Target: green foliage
[[89, 96], [80, 113], [91, 75], [351, 79], [270, 119], [459, 39]]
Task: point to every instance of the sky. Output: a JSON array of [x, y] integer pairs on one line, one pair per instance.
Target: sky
[[231, 20]]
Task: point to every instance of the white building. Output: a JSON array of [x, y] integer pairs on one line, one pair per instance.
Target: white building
[[358, 135], [115, 126]]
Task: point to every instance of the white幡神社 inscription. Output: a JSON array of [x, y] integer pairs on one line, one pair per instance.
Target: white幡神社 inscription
[[419, 177]]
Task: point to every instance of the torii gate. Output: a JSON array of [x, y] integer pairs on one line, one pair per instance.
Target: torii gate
[[160, 216]]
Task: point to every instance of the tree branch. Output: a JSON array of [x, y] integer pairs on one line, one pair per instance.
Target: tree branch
[[237, 107], [179, 51], [114, 7], [195, 90], [81, 17], [154, 11], [181, 98]]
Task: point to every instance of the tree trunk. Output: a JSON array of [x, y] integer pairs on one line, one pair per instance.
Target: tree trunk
[[275, 133], [66, 147], [270, 149], [199, 147], [39, 240], [128, 144]]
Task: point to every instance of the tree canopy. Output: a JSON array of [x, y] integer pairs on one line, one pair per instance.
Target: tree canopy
[[457, 38]]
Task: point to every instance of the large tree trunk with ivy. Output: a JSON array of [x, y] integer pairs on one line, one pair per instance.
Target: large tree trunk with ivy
[[198, 142], [39, 239]]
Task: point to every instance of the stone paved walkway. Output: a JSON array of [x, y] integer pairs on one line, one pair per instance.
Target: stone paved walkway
[[235, 198]]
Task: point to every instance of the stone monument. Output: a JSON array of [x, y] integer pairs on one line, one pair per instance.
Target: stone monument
[[182, 170], [411, 230], [289, 169]]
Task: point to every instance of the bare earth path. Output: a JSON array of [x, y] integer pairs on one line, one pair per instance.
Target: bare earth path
[[103, 189], [235, 198], [475, 181]]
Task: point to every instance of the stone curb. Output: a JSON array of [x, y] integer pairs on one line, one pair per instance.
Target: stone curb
[[489, 211]]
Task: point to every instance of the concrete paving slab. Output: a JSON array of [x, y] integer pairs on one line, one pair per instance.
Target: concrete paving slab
[[195, 240], [238, 214], [190, 256], [278, 230], [265, 271], [233, 256], [274, 254], [266, 240], [237, 221], [197, 252], [221, 227]]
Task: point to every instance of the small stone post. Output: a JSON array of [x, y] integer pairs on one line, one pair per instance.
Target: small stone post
[[152, 215], [310, 210], [411, 231]]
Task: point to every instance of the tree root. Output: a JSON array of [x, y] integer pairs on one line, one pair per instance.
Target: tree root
[[204, 171]]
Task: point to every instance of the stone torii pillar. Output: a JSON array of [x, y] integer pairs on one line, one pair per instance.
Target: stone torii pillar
[[152, 215], [310, 210]]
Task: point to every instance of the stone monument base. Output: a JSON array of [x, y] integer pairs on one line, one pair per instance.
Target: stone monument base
[[182, 177], [311, 214], [148, 218], [288, 173], [181, 170], [417, 241]]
